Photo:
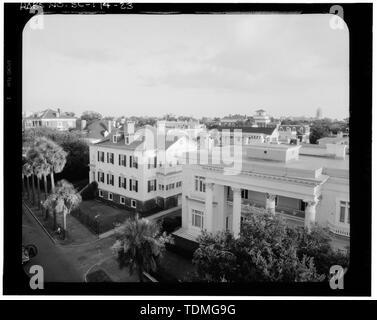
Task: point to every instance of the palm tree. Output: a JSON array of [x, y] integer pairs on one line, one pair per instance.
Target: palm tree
[[62, 201], [140, 245], [38, 163], [54, 155], [27, 171], [57, 158]]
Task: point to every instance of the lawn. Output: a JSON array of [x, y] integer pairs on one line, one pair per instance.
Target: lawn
[[100, 217]]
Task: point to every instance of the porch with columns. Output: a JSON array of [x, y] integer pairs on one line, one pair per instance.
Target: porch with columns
[[242, 208]]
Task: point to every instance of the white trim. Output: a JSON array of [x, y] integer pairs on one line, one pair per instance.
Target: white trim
[[122, 198], [100, 193], [108, 196], [133, 203]]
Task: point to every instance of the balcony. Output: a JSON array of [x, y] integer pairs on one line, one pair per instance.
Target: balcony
[[339, 230], [166, 170]]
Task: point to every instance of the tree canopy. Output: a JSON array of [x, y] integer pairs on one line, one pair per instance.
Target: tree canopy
[[76, 151], [91, 116], [267, 250], [139, 245]]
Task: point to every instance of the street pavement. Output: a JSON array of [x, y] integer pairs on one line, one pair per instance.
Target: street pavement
[[56, 264]]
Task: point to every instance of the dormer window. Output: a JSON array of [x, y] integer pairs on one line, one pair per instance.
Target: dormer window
[[115, 139]]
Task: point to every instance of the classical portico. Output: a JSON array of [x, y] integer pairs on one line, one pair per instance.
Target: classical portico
[[215, 199]]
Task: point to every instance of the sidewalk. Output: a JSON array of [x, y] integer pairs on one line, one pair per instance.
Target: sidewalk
[[77, 233]]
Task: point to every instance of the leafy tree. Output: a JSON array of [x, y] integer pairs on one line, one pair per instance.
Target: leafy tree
[[91, 116], [62, 202], [140, 245], [318, 132], [267, 250], [317, 244], [71, 154]]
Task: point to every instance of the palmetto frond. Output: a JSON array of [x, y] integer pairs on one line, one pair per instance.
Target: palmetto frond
[[64, 199], [140, 244]]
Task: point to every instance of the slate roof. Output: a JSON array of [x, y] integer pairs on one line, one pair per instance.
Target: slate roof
[[96, 129], [137, 143]]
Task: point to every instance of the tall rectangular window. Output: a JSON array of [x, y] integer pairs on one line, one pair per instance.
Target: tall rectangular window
[[152, 185], [197, 218], [101, 156], [122, 160], [200, 184], [344, 212], [110, 157]]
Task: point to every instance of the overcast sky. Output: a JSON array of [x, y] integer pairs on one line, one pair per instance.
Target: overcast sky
[[199, 65]]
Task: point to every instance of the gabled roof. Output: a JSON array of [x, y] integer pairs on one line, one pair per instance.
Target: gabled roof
[[263, 130], [97, 129], [49, 114], [139, 141]]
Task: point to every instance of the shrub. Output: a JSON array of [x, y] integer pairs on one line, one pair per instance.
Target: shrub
[[171, 224], [89, 193]]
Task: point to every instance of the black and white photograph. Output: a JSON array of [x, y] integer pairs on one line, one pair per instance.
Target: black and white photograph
[[188, 146]]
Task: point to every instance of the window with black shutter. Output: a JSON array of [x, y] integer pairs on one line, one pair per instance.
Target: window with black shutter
[[99, 176], [155, 185], [155, 162], [136, 185], [120, 162], [120, 182], [130, 184], [98, 156]]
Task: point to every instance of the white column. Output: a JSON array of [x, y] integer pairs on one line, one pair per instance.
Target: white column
[[270, 203], [310, 212], [222, 207], [236, 218], [185, 213], [208, 215]]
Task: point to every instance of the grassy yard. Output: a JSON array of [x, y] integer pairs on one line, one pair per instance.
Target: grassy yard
[[106, 216]]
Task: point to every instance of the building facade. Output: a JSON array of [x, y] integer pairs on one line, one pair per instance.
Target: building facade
[[50, 119], [135, 172], [301, 133], [303, 189], [224, 135]]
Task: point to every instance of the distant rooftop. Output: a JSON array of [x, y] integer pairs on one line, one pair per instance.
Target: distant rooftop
[[50, 114], [248, 129]]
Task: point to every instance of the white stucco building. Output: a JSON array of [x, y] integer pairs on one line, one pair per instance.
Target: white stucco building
[[284, 179], [224, 135], [261, 119], [140, 170], [54, 119], [287, 133]]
